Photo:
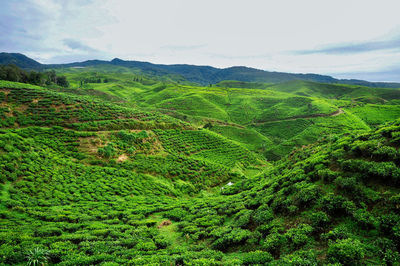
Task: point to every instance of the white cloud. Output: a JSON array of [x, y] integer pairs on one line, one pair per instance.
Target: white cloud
[[256, 33]]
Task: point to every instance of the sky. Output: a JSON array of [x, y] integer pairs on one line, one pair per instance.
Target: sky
[[343, 38]]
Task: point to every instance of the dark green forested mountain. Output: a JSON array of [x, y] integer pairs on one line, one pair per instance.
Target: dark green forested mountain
[[203, 75], [19, 60], [121, 164]]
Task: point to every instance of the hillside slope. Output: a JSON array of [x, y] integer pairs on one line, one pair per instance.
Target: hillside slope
[[179, 196], [123, 168], [334, 202], [270, 119]]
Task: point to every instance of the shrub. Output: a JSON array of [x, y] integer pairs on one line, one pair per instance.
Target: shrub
[[256, 257], [146, 245], [48, 231], [232, 261], [340, 232], [327, 175], [263, 215], [333, 204], [387, 222], [307, 195], [176, 214], [242, 218], [364, 218], [319, 219], [299, 236], [61, 248], [387, 251], [107, 151], [346, 251], [161, 242], [236, 236], [10, 254], [300, 258], [348, 184], [254, 239], [395, 202], [202, 262], [273, 243]]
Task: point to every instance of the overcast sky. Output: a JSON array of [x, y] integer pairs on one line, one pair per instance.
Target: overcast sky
[[343, 38]]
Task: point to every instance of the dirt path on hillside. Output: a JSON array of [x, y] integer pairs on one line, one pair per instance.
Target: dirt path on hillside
[[336, 113]]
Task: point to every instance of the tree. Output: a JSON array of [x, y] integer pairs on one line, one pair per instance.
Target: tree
[[35, 78], [51, 77], [11, 73], [62, 81]]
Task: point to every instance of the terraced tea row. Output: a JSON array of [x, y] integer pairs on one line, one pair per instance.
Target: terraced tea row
[[43, 107]]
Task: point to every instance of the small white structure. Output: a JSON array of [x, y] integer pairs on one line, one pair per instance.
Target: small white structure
[[229, 184]]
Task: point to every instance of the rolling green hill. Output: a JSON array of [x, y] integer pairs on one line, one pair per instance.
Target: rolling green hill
[[202, 75], [131, 168], [281, 116]]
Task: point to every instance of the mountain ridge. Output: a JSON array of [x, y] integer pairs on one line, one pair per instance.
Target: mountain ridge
[[203, 75]]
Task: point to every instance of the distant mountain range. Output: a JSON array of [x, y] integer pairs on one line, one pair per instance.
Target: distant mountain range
[[203, 75]]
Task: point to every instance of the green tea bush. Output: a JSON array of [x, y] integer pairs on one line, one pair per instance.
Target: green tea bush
[[263, 215], [299, 235], [256, 257], [299, 258], [273, 243], [242, 218], [346, 251], [319, 220]]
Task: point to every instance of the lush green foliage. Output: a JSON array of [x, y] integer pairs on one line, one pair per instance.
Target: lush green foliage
[[270, 119], [86, 178], [29, 105], [14, 73]]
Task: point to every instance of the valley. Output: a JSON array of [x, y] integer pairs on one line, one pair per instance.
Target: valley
[[123, 167]]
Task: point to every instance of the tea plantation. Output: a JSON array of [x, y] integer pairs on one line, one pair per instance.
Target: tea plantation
[[123, 168]]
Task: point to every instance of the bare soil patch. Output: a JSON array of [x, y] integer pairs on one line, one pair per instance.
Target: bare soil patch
[[122, 158], [164, 223]]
